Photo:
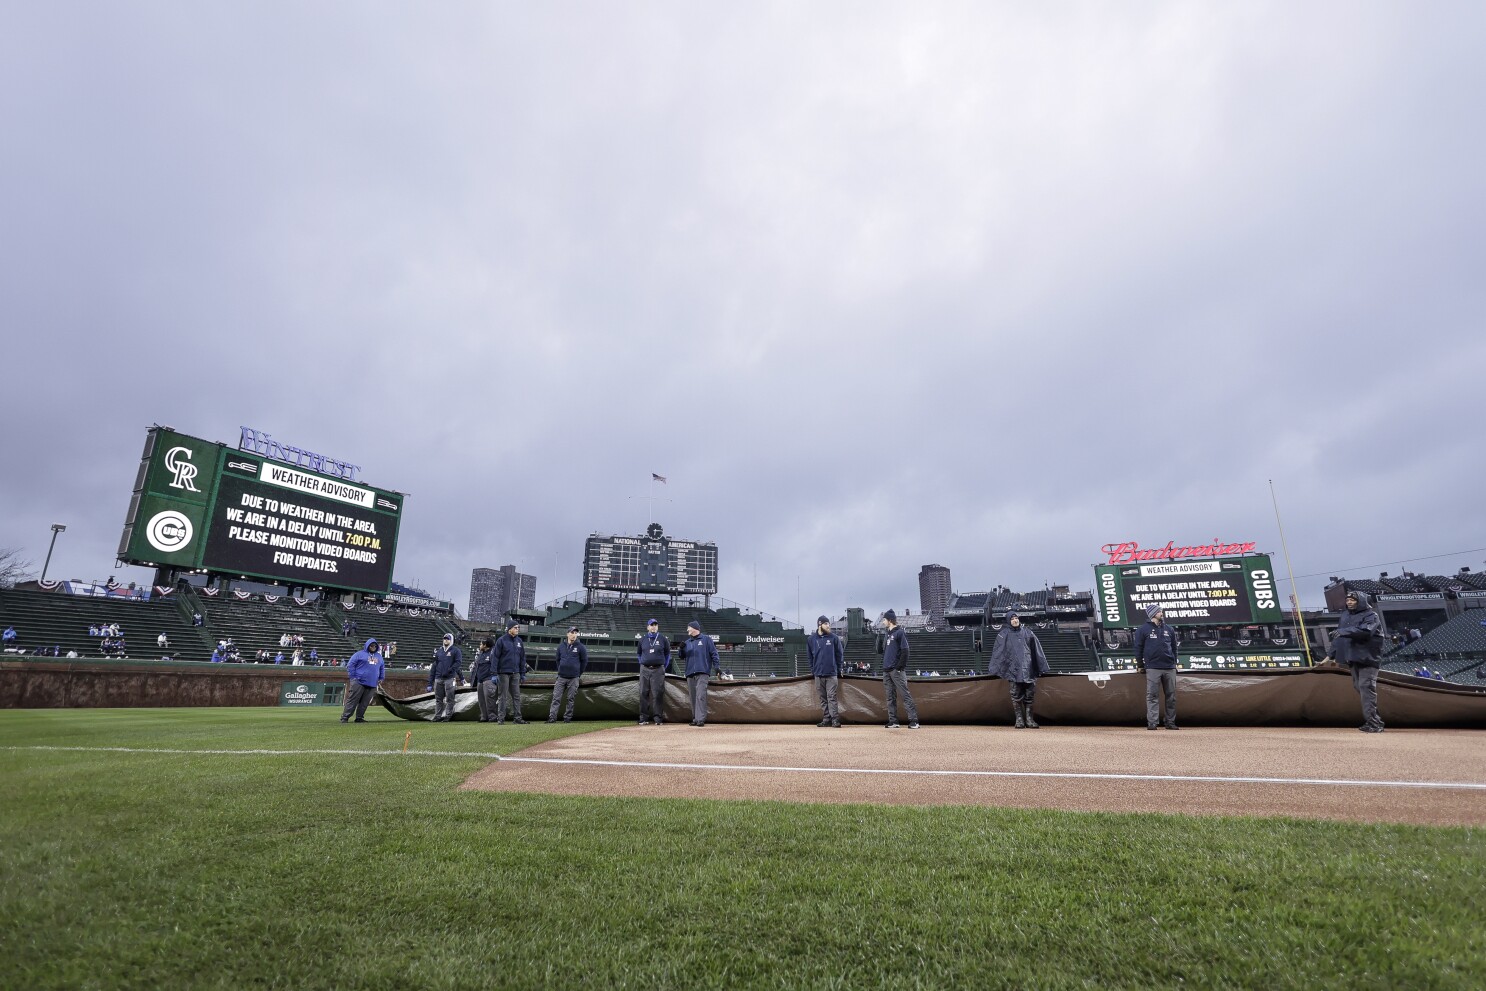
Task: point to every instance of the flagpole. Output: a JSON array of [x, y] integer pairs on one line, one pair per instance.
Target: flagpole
[[1294, 594]]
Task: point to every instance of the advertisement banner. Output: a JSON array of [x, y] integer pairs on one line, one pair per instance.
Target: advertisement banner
[[302, 693], [165, 525]]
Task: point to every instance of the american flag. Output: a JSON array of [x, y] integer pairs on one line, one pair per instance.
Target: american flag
[[657, 478]]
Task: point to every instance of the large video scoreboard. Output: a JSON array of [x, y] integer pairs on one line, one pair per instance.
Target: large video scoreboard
[[650, 563], [204, 505], [1233, 591]]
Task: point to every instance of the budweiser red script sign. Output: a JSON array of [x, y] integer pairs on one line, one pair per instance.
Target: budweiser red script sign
[[1130, 552]]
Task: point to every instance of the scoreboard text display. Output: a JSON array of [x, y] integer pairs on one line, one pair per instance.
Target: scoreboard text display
[[198, 504], [1234, 591], [652, 563]]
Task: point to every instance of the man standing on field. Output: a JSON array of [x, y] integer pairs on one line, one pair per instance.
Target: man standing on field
[[365, 671], [1358, 643], [826, 657], [895, 672], [654, 655], [572, 661], [448, 668], [1155, 654], [510, 666]]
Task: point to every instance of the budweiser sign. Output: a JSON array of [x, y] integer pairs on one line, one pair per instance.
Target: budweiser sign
[[1130, 552]]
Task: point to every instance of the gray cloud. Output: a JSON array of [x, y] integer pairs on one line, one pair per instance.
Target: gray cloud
[[872, 285]]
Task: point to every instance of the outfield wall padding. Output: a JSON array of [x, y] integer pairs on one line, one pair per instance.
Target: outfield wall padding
[[61, 684], [1315, 697]]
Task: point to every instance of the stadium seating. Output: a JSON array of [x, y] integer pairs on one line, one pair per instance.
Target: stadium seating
[[253, 625], [417, 637], [1463, 634], [56, 619]]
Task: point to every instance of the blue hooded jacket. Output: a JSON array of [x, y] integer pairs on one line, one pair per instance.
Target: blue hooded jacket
[[700, 655], [367, 668], [826, 654]]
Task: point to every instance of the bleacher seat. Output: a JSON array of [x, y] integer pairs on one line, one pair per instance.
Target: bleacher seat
[[57, 619]]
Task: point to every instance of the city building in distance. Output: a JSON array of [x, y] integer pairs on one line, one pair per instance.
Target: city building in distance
[[933, 591], [494, 592]]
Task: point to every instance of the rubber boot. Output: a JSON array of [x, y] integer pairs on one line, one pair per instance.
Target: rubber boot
[[1021, 721], [1027, 705]]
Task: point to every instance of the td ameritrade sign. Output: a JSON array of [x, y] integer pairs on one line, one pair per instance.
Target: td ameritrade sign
[[1217, 592]]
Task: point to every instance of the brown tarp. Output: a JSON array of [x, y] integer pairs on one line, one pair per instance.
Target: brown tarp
[[1316, 697]]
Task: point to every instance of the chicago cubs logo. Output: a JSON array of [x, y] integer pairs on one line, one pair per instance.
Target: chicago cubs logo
[[168, 531], [178, 463]]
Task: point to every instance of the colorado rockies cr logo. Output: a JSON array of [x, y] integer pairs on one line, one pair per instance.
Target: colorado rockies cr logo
[[178, 463]]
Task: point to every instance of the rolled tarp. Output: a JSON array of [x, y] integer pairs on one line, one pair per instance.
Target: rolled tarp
[[1308, 697]]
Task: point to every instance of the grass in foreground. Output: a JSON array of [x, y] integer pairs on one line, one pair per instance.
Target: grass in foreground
[[128, 870]]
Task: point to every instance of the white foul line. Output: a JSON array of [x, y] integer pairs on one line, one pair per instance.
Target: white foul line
[[1077, 775], [676, 766]]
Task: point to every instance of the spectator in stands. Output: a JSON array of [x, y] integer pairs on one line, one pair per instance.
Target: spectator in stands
[[653, 652], [572, 661], [699, 662], [196, 619], [1155, 654], [162, 641], [364, 672], [345, 627], [314, 657], [448, 668], [93, 631], [1358, 644], [895, 672], [8, 638], [296, 658], [1018, 660], [217, 657], [487, 687], [827, 654], [510, 667], [279, 657], [113, 630]]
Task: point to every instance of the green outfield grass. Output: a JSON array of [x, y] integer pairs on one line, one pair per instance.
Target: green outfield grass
[[128, 870]]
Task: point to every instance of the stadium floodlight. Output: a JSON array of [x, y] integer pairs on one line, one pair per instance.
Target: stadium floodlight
[[56, 529]]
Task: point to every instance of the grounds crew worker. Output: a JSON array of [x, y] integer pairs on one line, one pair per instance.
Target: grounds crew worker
[[486, 686], [895, 672], [654, 654], [699, 655], [510, 666], [827, 655], [572, 661], [365, 671], [1018, 660], [448, 668], [1155, 654], [1358, 643]]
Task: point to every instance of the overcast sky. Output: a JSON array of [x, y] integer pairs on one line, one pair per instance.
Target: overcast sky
[[988, 285]]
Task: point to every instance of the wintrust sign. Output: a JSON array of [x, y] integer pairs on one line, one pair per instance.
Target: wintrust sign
[[1129, 552]]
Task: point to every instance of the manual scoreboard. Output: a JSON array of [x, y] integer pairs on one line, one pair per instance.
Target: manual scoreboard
[[650, 563]]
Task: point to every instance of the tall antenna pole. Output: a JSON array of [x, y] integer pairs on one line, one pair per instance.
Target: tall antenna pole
[[1294, 595]]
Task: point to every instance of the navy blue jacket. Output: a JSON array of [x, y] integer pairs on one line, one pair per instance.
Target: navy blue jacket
[[510, 655], [1155, 646], [482, 670], [653, 648], [1358, 642], [446, 664], [572, 659], [895, 650], [699, 653], [826, 654]]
